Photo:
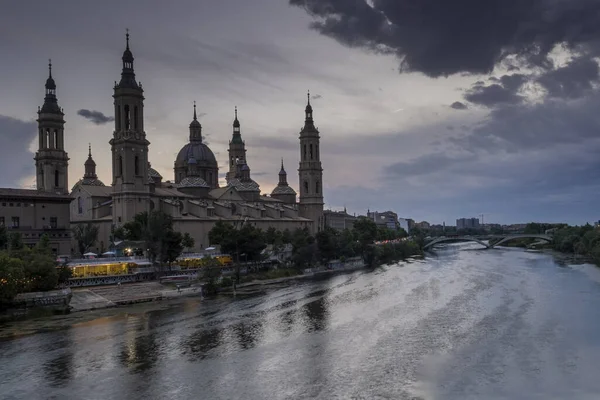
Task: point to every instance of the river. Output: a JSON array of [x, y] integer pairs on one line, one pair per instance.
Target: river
[[463, 324]]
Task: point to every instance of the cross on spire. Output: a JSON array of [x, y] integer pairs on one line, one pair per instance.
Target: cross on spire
[[308, 95], [127, 37], [89, 150], [50, 67], [195, 110]]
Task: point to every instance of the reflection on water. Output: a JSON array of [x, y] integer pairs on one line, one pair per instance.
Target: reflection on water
[[458, 325]]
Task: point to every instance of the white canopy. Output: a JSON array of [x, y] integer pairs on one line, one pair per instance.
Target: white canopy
[[90, 254]]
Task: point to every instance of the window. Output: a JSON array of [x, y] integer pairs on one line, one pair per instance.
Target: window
[[135, 118], [80, 205], [137, 165], [53, 222], [127, 118], [306, 186], [11, 204], [55, 178], [317, 187], [120, 166], [2, 221], [47, 139], [118, 119], [15, 222], [317, 151], [311, 152], [55, 139], [305, 152]]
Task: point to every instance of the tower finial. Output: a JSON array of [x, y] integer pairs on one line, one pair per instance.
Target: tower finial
[[90, 150], [308, 95], [281, 162], [235, 112], [50, 67], [195, 119], [127, 37]]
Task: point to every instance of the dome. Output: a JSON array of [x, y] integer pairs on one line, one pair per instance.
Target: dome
[[89, 182], [283, 190], [244, 186], [193, 181], [200, 152], [154, 173]]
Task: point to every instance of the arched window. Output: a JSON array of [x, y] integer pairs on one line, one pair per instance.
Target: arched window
[[55, 178], [317, 184], [42, 177], [80, 205], [135, 118], [306, 186], [118, 119], [120, 166], [311, 152], [231, 161], [47, 139], [137, 165], [127, 117], [305, 152], [55, 137], [210, 179]]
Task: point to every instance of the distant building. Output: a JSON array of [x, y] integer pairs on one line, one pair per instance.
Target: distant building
[[423, 225], [404, 223], [389, 219], [339, 220], [467, 223]]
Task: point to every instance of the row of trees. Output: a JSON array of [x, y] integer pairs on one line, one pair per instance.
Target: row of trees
[[24, 269], [580, 240], [246, 242]]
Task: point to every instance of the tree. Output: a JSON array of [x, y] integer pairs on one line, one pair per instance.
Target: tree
[[15, 241], [271, 235], [328, 244], [12, 277], [3, 237], [85, 235], [366, 232], [172, 246], [187, 241]]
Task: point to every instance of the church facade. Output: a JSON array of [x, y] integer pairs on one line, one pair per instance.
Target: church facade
[[44, 210], [194, 197]]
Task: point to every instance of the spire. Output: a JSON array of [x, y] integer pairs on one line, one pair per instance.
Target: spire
[[308, 111], [90, 165], [236, 123], [195, 128], [282, 175], [128, 75], [50, 101], [237, 135]]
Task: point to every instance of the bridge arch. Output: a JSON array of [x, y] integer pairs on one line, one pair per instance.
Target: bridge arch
[[547, 238], [455, 239]]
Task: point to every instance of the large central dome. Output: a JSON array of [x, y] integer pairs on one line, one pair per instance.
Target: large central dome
[[196, 159], [197, 151]]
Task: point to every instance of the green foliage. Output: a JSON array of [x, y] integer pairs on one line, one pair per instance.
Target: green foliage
[[85, 235], [12, 277], [15, 241], [155, 229], [3, 237], [581, 240], [247, 242], [187, 241]]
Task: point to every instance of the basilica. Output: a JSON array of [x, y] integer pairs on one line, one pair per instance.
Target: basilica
[[193, 197]]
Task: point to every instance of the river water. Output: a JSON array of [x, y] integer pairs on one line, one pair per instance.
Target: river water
[[464, 324]]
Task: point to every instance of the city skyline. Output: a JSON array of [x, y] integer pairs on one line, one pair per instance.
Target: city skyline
[[518, 147]]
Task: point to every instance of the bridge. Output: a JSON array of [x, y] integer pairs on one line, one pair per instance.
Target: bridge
[[480, 239]]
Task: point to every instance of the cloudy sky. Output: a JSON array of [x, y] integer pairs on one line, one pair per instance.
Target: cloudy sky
[[436, 109]]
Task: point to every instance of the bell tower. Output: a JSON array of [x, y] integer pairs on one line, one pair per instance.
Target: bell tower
[[310, 172], [129, 146], [51, 159], [237, 149]]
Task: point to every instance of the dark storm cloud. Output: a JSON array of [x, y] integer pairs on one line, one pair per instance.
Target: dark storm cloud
[[96, 117], [445, 37], [503, 91], [573, 80], [457, 105], [16, 161]]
